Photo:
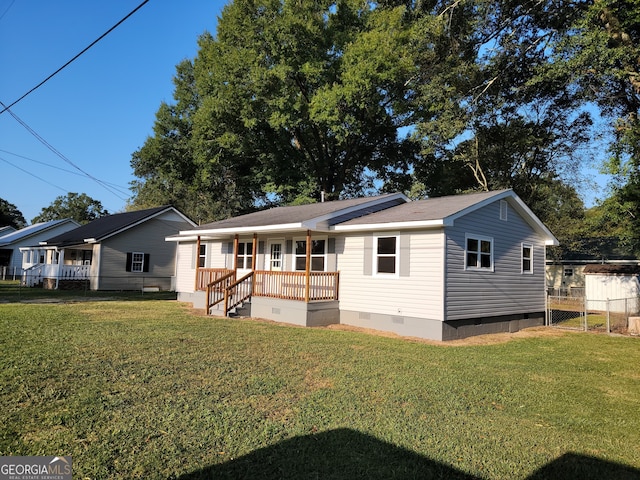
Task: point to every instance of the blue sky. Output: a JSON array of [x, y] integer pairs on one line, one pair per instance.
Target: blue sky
[[99, 109]]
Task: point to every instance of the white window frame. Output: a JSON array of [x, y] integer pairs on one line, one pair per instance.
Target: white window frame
[[530, 259], [135, 262], [313, 255], [479, 239], [248, 254], [377, 256], [202, 256]]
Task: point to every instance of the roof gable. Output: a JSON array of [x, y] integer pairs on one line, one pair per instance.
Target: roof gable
[[32, 230], [443, 211], [107, 226]]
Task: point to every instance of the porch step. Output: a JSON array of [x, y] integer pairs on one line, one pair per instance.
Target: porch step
[[243, 310]]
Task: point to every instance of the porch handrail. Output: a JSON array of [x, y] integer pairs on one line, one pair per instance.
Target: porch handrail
[[238, 292], [216, 289], [205, 276]]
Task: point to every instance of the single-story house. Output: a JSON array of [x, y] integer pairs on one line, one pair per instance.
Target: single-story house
[[441, 268], [124, 251], [12, 240]]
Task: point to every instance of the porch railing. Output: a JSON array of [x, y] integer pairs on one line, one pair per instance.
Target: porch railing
[[216, 290], [74, 272], [292, 285], [206, 276], [238, 292]]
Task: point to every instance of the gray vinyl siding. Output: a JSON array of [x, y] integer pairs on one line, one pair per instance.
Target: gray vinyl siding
[[149, 238], [505, 291]]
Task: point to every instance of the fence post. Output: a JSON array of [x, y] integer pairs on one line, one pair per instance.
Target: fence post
[[586, 313], [608, 320]]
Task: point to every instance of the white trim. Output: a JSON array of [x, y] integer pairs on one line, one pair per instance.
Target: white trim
[[391, 226], [479, 238], [374, 270], [524, 245], [316, 255]]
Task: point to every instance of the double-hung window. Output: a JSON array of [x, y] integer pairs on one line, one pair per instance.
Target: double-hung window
[[527, 258], [202, 256], [245, 255], [318, 255], [137, 262], [386, 255], [479, 253]]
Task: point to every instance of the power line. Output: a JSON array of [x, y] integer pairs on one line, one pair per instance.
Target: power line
[[74, 58], [119, 188], [7, 9], [33, 175], [55, 151]]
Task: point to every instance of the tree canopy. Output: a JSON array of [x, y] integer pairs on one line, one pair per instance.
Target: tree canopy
[[291, 98], [10, 216], [79, 207]]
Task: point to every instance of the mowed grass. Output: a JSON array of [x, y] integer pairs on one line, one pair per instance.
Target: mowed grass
[[148, 389]]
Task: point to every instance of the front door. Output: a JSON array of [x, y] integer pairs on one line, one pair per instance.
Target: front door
[[276, 257]]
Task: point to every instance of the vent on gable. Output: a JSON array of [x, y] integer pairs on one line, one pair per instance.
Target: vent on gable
[[504, 207]]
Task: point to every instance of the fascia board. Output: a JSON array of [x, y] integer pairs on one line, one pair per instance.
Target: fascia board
[[390, 226], [218, 232]]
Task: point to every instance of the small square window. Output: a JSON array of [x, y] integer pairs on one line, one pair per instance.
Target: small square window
[[386, 255]]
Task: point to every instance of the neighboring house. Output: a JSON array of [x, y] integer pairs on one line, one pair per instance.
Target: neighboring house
[[13, 240], [6, 230], [125, 251], [442, 268], [567, 277]]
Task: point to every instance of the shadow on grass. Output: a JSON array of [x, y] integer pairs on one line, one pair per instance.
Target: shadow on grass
[[348, 454], [342, 453]]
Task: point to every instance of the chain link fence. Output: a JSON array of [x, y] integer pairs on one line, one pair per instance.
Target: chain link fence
[[578, 313]]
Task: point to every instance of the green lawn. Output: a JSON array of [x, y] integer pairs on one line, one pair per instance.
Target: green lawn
[[141, 388]]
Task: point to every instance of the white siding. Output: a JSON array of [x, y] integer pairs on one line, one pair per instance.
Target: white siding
[[419, 294], [185, 267], [505, 291]]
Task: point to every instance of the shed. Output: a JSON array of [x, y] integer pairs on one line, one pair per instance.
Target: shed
[[612, 282]]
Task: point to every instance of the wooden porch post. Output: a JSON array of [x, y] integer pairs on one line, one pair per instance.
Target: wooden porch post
[[254, 254], [197, 263], [307, 270], [235, 254]]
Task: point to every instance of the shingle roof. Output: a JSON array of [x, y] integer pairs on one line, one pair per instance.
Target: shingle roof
[[612, 269], [103, 227], [436, 208], [30, 230], [292, 214]]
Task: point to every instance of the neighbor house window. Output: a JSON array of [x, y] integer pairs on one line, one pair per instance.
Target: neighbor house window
[[137, 262], [479, 253], [318, 255], [386, 255], [245, 255], [527, 258], [202, 256], [568, 272]]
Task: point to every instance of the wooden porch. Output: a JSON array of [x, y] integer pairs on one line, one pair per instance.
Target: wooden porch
[[222, 285]]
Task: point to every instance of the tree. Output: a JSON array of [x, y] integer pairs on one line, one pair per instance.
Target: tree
[[290, 99], [79, 207], [10, 215]]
